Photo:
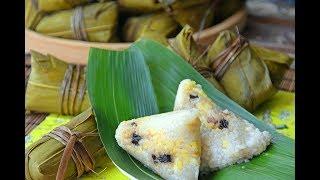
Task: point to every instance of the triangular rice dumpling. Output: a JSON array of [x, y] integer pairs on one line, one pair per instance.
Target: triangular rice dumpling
[[167, 143], [226, 138]]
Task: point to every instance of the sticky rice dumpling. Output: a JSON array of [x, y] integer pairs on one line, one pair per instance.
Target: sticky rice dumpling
[[194, 16], [167, 143], [225, 8], [32, 14], [278, 63], [185, 46], [55, 5], [158, 24], [243, 75], [42, 158], [147, 6], [55, 86], [226, 138], [95, 22]]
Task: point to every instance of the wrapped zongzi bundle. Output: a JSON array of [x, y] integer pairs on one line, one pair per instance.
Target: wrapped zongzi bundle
[[239, 69], [43, 158], [153, 25], [230, 62], [95, 22], [184, 45], [55, 86], [194, 16], [32, 14], [146, 6], [278, 63], [55, 5], [226, 8]]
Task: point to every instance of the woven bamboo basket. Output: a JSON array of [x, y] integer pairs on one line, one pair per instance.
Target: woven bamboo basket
[[76, 52]]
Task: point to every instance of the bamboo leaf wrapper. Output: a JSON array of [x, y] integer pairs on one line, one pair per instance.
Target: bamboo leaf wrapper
[[43, 157], [55, 86], [95, 22], [147, 6]]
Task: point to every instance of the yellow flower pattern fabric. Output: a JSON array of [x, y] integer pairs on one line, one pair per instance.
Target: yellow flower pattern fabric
[[52, 121], [279, 112]]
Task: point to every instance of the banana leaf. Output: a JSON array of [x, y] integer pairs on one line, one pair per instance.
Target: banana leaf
[[43, 157], [95, 22], [147, 6], [278, 63], [32, 14], [152, 26], [148, 86], [43, 93], [246, 79]]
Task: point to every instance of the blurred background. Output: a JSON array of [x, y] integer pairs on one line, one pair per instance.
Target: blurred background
[[271, 23]]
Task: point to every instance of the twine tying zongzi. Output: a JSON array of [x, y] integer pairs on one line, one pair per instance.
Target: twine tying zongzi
[[287, 82], [74, 149], [77, 24], [72, 90], [227, 56]]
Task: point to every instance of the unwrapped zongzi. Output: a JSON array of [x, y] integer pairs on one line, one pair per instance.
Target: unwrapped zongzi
[[42, 158], [95, 22], [55, 86]]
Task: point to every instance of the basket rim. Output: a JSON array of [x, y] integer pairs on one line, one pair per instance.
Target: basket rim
[[76, 52]]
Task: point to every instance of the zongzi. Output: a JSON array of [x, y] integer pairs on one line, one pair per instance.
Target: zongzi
[[194, 16], [55, 86], [185, 46], [32, 14], [226, 138], [55, 5], [158, 24], [167, 143], [95, 22], [243, 75], [225, 8], [147, 6], [278, 63], [42, 158]]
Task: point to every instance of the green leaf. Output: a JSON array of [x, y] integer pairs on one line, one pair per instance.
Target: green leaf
[[152, 66], [120, 89]]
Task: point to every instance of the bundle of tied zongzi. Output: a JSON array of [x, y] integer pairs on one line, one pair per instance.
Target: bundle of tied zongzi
[[56, 5], [147, 6], [243, 75], [226, 8], [152, 25], [55, 86], [43, 159], [278, 63], [94, 22], [32, 14], [159, 26], [184, 45]]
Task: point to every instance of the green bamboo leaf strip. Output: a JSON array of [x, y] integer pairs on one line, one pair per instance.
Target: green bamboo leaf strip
[[115, 96]]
